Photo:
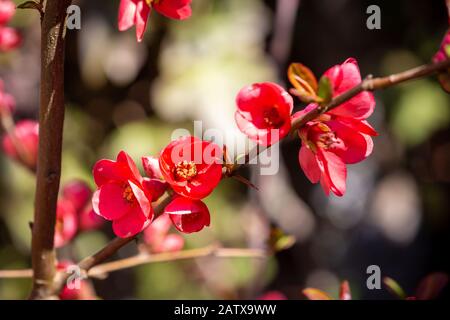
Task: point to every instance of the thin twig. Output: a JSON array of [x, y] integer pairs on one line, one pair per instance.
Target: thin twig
[[209, 251], [106, 252], [16, 274], [101, 270]]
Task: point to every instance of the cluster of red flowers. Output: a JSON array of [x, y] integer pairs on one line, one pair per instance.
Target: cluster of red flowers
[[9, 37], [74, 212], [20, 143], [189, 167], [336, 138], [136, 12]]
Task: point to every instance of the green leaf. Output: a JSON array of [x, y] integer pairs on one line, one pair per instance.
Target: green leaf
[[316, 294], [279, 241], [30, 5], [325, 90], [447, 50], [394, 287]]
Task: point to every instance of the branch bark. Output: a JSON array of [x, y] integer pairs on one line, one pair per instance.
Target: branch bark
[[51, 120]]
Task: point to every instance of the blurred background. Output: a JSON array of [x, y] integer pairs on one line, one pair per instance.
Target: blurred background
[[130, 96]]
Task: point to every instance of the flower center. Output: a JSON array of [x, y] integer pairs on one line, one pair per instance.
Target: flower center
[[150, 2], [185, 170], [326, 138], [128, 194], [272, 118]]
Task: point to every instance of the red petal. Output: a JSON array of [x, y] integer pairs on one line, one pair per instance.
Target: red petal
[[175, 9], [142, 13], [151, 167], [188, 215], [130, 224], [343, 78], [154, 188], [127, 14], [309, 164], [358, 146], [127, 161], [171, 243], [106, 171], [143, 200], [335, 172], [109, 203]]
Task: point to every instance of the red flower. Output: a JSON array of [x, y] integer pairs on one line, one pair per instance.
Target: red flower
[[262, 108], [88, 219], [78, 193], [121, 196], [26, 135], [136, 12], [78, 289], [66, 223], [7, 10], [157, 236], [155, 178], [338, 137], [191, 166], [9, 39], [188, 215], [442, 55]]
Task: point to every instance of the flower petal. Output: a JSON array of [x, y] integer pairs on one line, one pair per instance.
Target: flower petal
[[309, 164], [142, 13], [174, 9], [127, 14], [143, 200], [109, 202], [344, 77], [335, 172], [130, 224], [188, 215]]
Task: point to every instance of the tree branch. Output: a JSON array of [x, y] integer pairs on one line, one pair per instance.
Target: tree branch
[[106, 252], [371, 84], [101, 270], [51, 120], [141, 259]]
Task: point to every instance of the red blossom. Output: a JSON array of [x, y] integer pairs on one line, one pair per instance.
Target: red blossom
[[7, 10], [121, 196], [78, 193], [192, 167], [66, 223], [155, 180], [264, 111], [26, 135], [340, 136], [136, 12], [78, 289], [188, 215], [158, 238], [9, 39]]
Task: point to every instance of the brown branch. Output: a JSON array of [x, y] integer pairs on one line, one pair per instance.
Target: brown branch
[[371, 84], [51, 120], [16, 274], [106, 252], [102, 270], [141, 259]]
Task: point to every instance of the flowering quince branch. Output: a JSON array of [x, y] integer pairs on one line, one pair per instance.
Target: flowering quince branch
[[51, 119], [371, 84]]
